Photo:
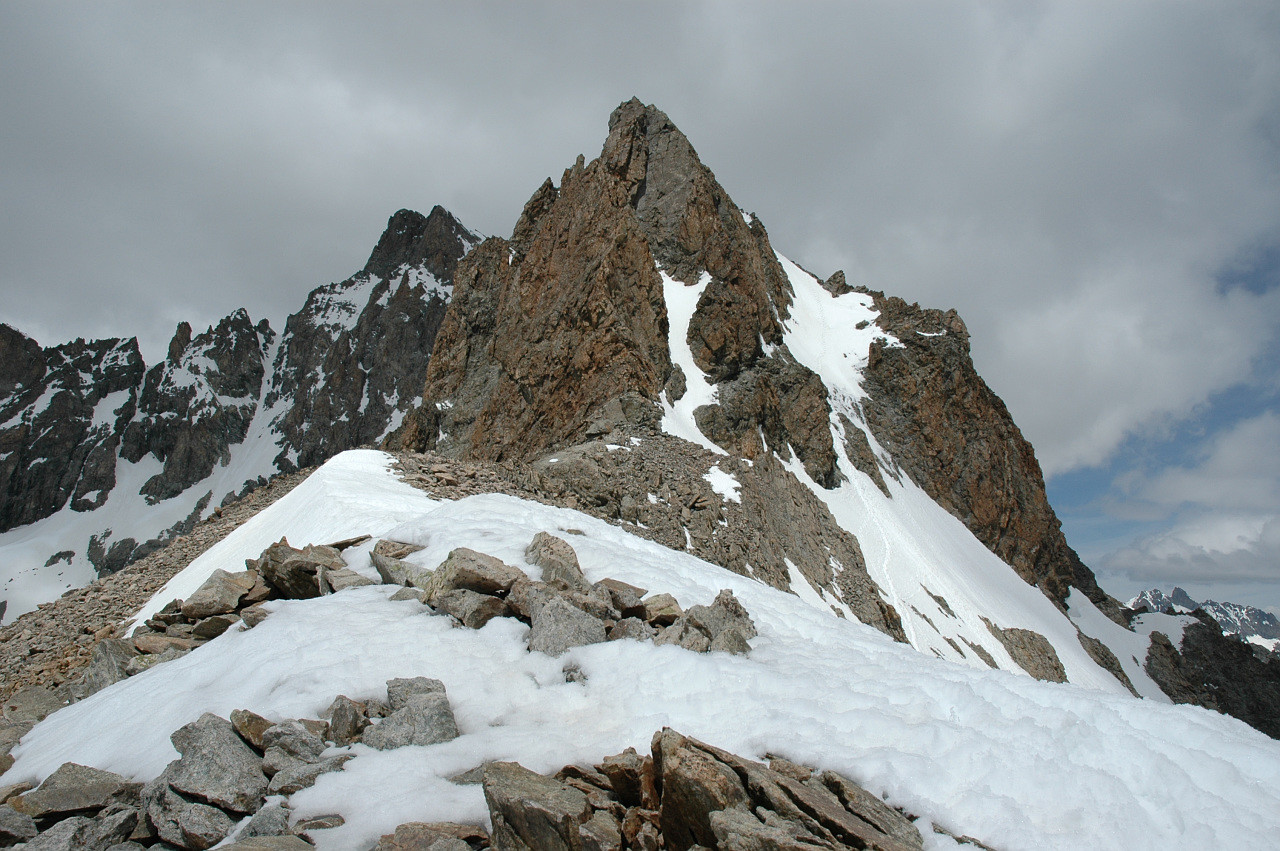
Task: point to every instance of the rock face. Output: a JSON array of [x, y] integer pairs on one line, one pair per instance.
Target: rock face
[[1217, 672], [954, 437], [348, 366], [63, 410]]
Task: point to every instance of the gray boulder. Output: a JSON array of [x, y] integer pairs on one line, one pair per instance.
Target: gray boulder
[[15, 826], [221, 593], [347, 720], [72, 788], [436, 836], [294, 739], [182, 822], [270, 843], [722, 614], [301, 776], [473, 609], [557, 626], [684, 634], [339, 579], [217, 766], [271, 820], [558, 561], [532, 811], [473, 571], [633, 628], [146, 661], [400, 689], [424, 719], [32, 704], [730, 640], [394, 571], [70, 834], [109, 664]]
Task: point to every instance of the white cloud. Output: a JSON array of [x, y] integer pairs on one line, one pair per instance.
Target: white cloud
[[1226, 514]]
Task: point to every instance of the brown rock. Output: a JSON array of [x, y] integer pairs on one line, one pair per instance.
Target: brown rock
[[532, 811], [251, 726]]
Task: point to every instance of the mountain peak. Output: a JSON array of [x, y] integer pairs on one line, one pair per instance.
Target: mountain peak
[[436, 240]]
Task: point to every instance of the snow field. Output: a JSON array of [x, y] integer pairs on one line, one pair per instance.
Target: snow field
[[1015, 762]]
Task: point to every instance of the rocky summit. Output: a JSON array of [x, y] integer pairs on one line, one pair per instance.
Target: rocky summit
[[446, 559]]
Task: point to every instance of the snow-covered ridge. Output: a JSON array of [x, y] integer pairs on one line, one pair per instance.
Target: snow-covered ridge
[[1012, 761]]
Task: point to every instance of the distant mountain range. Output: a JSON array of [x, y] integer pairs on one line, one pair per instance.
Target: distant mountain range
[[1248, 623]]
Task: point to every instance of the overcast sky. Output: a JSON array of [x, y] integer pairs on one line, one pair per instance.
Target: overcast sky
[[1095, 187]]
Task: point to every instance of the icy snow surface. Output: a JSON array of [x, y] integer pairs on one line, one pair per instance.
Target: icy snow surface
[[677, 417], [1015, 762], [915, 549]]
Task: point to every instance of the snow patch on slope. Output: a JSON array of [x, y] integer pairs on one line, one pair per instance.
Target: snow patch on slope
[[916, 551], [1015, 762], [677, 417]]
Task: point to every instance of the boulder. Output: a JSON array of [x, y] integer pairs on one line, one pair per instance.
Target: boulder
[[435, 836], [473, 571], [632, 628], [396, 572], [217, 766], [291, 780], [557, 626], [270, 843], [221, 593], [32, 704], [558, 561], [684, 634], [15, 826], [294, 739], [627, 775], [347, 719], [109, 664], [254, 615], [695, 784], [662, 610], [424, 719], [399, 690], [251, 726], [213, 626], [532, 811], [723, 613], [342, 578], [181, 822], [473, 609], [72, 788], [271, 820]]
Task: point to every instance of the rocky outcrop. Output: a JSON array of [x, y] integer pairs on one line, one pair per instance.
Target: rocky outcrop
[[550, 328], [954, 437], [346, 369], [61, 422], [1217, 672], [198, 403], [688, 794]]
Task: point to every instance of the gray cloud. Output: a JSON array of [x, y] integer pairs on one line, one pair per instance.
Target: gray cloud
[[1071, 176]]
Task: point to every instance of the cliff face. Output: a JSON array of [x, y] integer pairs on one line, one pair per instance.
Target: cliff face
[[226, 409], [954, 437], [61, 422]]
